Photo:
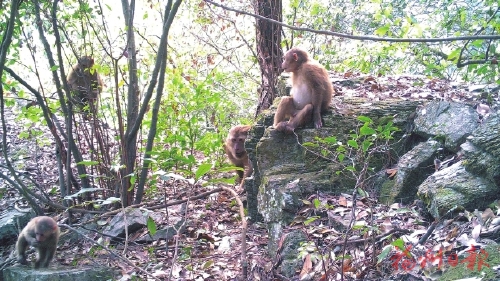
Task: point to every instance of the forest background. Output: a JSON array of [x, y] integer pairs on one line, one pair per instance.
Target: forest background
[[178, 74]]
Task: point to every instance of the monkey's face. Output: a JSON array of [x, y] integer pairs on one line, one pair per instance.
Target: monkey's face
[[86, 62], [43, 232], [40, 236], [238, 144], [290, 62]]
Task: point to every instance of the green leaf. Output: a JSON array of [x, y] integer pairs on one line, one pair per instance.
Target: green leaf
[[202, 170], [399, 243], [316, 203], [208, 264], [385, 252], [151, 226], [332, 140], [310, 144], [365, 119], [454, 54], [341, 157], [351, 168], [87, 163], [366, 131], [353, 143], [366, 144], [381, 31], [23, 135], [310, 220], [477, 43]]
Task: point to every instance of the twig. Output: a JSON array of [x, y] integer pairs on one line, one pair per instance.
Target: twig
[[111, 252], [176, 246], [428, 233], [244, 261]]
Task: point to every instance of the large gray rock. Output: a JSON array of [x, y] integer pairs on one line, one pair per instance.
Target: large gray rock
[[472, 183], [482, 150], [24, 273], [133, 219], [450, 122], [442, 154], [284, 170], [12, 222], [454, 188], [412, 169]]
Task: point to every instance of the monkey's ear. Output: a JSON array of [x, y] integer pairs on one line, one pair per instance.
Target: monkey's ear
[[295, 57]]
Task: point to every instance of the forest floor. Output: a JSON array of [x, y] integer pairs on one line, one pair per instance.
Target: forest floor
[[209, 247]]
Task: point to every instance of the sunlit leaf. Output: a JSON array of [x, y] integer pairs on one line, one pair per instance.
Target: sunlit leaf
[[202, 170], [381, 31], [151, 226], [365, 119], [352, 143], [366, 131]]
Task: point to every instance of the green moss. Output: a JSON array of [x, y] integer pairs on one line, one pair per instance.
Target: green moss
[[386, 196], [461, 271]]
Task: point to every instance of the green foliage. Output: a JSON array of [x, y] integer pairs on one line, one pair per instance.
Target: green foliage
[[309, 248], [359, 145], [400, 19], [185, 253], [193, 122]]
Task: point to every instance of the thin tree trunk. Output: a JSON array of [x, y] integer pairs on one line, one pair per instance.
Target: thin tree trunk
[[269, 50], [129, 149]]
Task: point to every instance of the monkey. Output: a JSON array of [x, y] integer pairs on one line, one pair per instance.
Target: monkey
[[41, 233], [311, 92], [236, 153], [85, 84]]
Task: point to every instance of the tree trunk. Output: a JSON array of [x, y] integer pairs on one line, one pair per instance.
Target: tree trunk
[[129, 150], [269, 50]]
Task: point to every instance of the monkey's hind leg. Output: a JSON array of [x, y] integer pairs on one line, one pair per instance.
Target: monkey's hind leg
[[285, 109], [300, 118]]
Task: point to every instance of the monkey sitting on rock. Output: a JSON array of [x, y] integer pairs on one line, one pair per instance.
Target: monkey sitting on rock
[[311, 92]]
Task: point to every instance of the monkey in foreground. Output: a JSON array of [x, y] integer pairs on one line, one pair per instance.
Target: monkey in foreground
[[236, 153], [41, 233], [85, 84], [311, 92]]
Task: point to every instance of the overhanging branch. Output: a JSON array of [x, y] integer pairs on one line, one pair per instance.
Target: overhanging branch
[[363, 37]]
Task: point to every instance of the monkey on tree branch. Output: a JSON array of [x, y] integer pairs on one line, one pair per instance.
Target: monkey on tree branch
[[85, 85], [311, 92]]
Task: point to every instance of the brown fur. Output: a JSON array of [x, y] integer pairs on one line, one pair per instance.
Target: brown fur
[[236, 153], [85, 84], [311, 92], [41, 233]]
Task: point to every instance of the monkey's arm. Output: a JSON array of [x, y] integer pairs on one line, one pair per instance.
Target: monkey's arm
[[30, 237], [72, 78], [317, 100], [100, 82], [319, 90]]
